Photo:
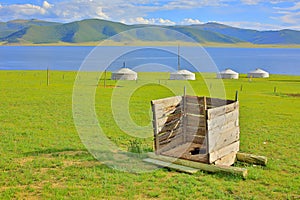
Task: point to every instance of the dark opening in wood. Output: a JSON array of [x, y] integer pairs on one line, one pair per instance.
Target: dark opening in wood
[[198, 150]]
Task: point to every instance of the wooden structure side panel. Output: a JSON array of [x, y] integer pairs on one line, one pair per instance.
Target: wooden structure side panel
[[194, 100], [171, 143], [195, 109], [215, 102], [234, 147], [221, 121], [220, 138], [195, 121], [168, 101], [219, 111], [227, 160]]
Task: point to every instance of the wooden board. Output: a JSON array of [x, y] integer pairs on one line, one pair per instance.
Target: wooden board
[[234, 147], [168, 101], [219, 138], [171, 143], [252, 159], [221, 121], [164, 112], [194, 100], [195, 121], [227, 160], [184, 151], [167, 121], [190, 130], [196, 139], [205, 167], [169, 126], [218, 111], [215, 102], [194, 109], [170, 165], [169, 134]]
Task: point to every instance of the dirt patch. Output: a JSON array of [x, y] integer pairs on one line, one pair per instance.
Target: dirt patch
[[293, 95]]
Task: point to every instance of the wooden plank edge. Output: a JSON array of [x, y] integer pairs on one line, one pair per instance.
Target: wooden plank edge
[[202, 166], [180, 168], [252, 159]]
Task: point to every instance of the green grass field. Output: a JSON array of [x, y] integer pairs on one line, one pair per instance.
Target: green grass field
[[42, 156]]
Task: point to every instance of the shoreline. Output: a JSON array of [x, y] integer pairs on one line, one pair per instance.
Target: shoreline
[[142, 43]]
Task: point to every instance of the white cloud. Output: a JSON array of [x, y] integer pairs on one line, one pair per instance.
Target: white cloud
[[141, 20], [46, 5], [187, 21], [289, 15]]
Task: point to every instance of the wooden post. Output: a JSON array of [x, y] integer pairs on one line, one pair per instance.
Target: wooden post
[[105, 79], [236, 95], [252, 159], [205, 125], [198, 165], [241, 89], [184, 118], [275, 89], [155, 130], [48, 77]]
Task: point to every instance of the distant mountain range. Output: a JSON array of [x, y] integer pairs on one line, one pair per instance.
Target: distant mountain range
[[93, 30]]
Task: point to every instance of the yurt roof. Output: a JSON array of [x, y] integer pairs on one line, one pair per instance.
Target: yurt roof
[[258, 71], [228, 71], [182, 72], [125, 71]]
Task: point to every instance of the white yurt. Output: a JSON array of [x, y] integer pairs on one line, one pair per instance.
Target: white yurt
[[182, 75], [258, 73], [228, 74], [124, 74]]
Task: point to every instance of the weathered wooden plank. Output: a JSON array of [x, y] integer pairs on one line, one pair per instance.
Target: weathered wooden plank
[[155, 128], [223, 120], [234, 147], [171, 143], [170, 125], [191, 130], [162, 112], [195, 139], [168, 120], [169, 134], [194, 109], [204, 167], [187, 151], [197, 158], [170, 165], [195, 121], [194, 100], [218, 111], [227, 160], [215, 102], [222, 137], [252, 159], [166, 102]]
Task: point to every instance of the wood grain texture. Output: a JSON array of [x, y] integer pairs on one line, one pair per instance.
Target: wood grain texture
[[202, 166], [234, 147]]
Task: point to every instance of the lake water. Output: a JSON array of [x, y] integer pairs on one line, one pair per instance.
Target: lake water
[[242, 60]]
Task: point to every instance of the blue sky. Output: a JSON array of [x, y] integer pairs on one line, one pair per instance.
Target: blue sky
[[254, 14]]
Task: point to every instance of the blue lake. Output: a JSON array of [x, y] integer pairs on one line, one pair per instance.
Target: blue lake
[[242, 60]]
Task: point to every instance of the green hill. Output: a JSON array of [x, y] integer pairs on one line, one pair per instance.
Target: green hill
[[13, 26], [94, 30], [253, 36]]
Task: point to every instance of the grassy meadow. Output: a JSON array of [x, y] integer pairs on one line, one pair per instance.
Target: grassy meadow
[[42, 156]]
